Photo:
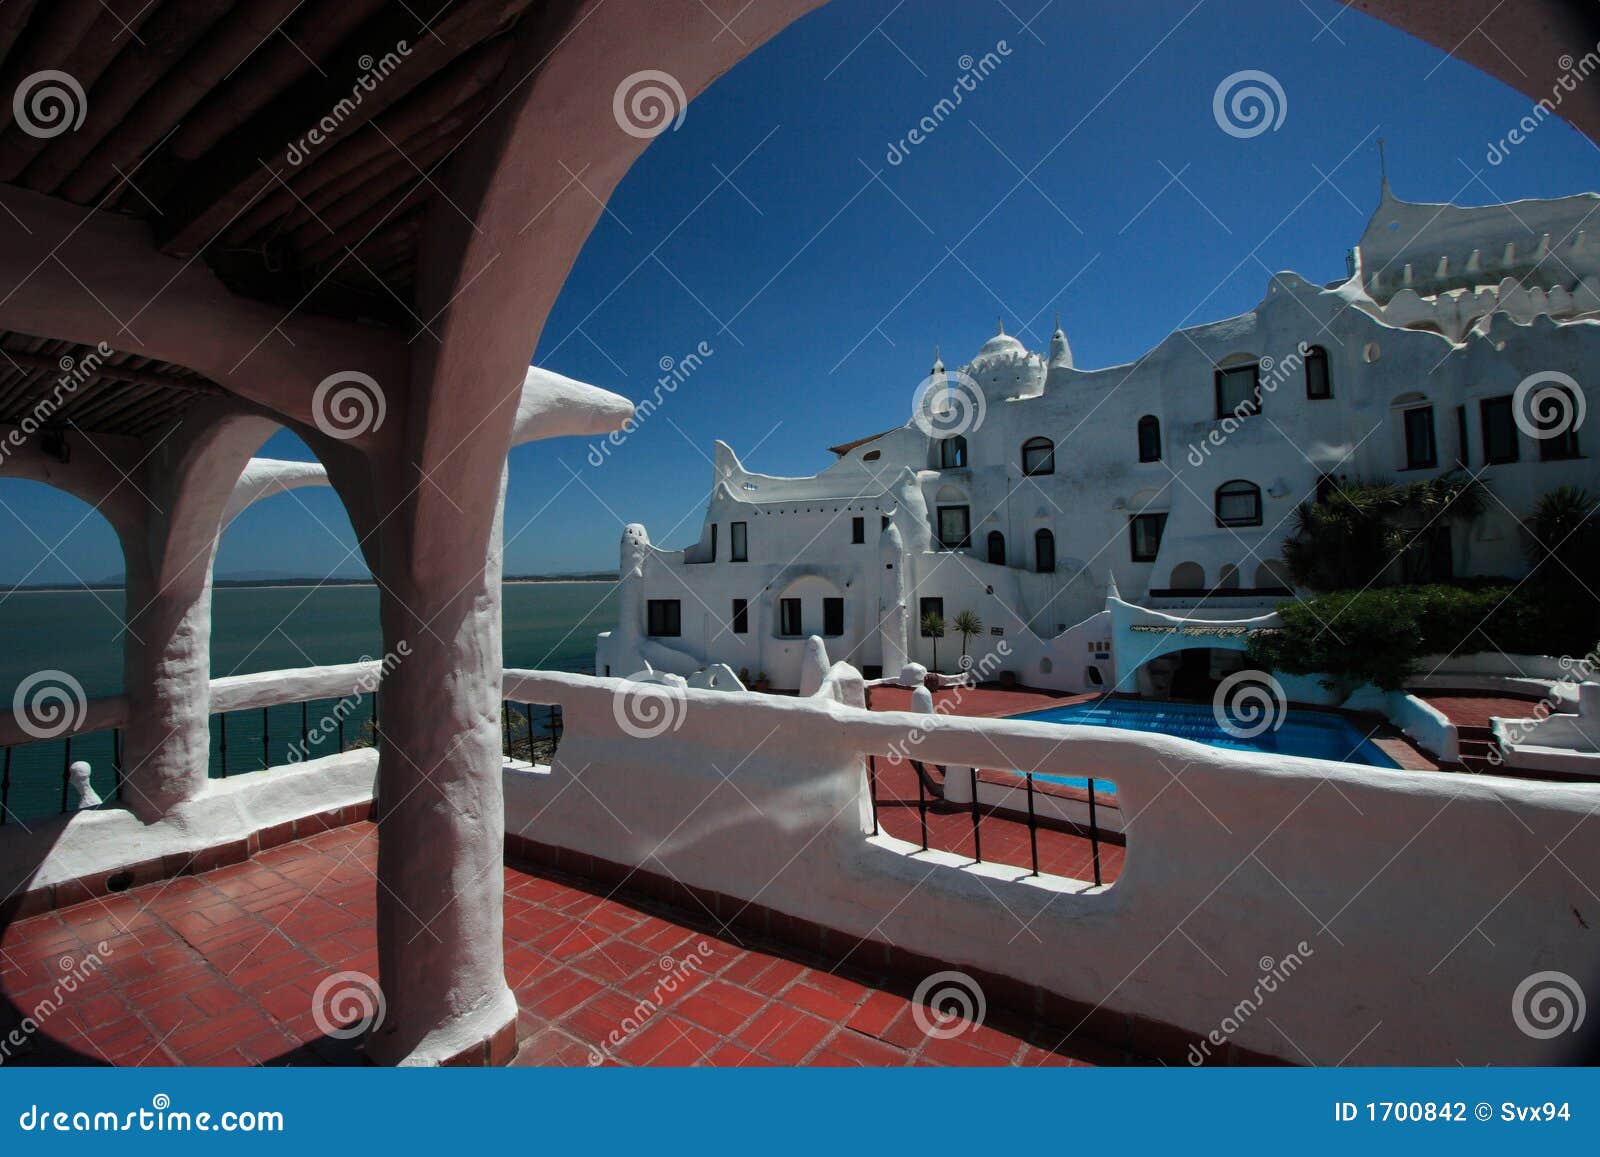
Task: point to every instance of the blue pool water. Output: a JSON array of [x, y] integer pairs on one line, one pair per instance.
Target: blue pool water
[[1305, 732]]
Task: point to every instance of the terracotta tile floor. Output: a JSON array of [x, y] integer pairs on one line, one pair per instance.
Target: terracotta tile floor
[[220, 969], [1467, 709], [1004, 840]]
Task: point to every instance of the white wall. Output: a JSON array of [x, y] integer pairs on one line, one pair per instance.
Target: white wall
[[1425, 898]]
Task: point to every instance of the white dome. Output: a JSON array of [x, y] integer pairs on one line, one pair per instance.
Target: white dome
[[1001, 343]]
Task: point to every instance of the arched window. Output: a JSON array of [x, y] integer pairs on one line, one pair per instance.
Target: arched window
[[1149, 438], [1188, 576], [1238, 503], [953, 453], [997, 548], [1044, 552], [1228, 580], [1038, 456], [1318, 384]]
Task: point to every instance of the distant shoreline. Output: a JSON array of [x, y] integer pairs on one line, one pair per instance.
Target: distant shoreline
[[304, 584]]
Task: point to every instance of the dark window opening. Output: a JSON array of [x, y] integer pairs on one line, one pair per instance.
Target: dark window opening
[[1044, 552], [955, 529], [997, 548], [1318, 384], [1239, 391], [713, 542], [926, 607], [1038, 456], [1149, 438], [1461, 437], [741, 617], [1556, 447], [738, 542], [1144, 532], [858, 531], [1420, 450], [664, 618], [789, 617], [832, 617], [1238, 503], [953, 453], [1499, 431]]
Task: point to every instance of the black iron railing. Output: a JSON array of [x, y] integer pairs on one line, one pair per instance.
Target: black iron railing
[[530, 732], [927, 798]]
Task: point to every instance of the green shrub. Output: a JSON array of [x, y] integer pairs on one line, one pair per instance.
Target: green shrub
[[1378, 635]]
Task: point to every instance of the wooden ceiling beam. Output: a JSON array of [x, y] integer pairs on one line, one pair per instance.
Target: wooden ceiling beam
[[335, 105]]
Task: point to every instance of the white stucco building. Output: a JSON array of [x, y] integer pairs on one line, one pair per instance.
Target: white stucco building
[[1067, 506]]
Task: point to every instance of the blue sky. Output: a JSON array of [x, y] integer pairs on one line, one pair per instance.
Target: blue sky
[[1084, 174]]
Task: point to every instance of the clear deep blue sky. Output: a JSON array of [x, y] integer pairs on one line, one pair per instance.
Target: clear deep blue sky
[[771, 226]]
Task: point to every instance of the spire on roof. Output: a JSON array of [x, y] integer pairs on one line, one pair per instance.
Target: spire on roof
[[999, 327], [938, 362]]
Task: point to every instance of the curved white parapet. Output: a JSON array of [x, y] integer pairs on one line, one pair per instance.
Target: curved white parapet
[[1403, 954]]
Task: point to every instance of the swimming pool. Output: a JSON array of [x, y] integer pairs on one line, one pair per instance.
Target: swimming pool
[[1305, 731]]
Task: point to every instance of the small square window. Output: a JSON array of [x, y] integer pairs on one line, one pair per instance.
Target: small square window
[[664, 618]]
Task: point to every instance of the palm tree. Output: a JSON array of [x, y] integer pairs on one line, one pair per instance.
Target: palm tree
[[967, 624], [933, 627]]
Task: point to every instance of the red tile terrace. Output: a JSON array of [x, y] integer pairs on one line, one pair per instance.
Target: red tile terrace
[[222, 968]]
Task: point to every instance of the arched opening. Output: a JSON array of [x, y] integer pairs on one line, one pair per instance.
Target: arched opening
[[1228, 578], [1191, 674], [1149, 438], [997, 548], [1319, 386], [1188, 576], [1044, 552], [953, 452], [1038, 457], [1238, 503], [61, 620], [317, 608]]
